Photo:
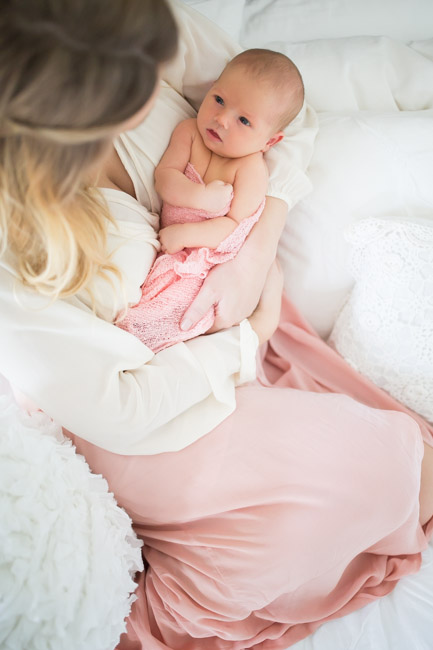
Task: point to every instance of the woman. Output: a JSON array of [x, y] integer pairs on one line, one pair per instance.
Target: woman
[[258, 507]]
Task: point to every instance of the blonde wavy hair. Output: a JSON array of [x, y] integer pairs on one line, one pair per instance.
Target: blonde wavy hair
[[70, 72]]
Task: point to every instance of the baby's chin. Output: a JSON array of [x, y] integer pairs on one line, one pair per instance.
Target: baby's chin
[[230, 153]]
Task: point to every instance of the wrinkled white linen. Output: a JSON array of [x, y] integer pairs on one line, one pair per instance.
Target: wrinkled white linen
[[308, 20]]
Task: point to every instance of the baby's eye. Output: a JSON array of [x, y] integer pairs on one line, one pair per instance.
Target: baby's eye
[[219, 100], [245, 121]]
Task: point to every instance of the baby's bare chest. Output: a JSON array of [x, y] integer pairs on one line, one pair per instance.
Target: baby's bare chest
[[210, 166]]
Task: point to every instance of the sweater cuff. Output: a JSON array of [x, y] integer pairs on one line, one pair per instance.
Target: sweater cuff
[[248, 343]]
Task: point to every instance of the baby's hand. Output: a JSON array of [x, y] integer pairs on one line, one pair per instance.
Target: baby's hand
[[171, 239], [217, 195]]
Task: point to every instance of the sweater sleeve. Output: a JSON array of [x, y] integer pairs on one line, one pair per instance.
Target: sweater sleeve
[[104, 385], [201, 40]]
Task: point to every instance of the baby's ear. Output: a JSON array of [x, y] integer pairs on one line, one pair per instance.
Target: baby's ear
[[277, 137]]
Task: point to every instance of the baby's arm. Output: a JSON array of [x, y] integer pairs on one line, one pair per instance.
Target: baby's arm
[[170, 181], [202, 234], [174, 187], [249, 186]]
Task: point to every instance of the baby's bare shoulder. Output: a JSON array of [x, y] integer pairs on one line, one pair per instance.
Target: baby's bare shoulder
[[254, 164]]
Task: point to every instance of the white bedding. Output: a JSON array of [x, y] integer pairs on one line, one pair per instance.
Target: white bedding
[[368, 71]]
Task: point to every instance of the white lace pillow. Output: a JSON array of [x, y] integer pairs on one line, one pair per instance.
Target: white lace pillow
[[385, 329]]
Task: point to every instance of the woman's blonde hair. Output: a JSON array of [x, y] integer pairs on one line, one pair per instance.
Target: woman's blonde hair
[[70, 72]]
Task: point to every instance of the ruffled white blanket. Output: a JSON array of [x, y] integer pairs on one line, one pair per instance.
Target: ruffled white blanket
[[68, 553]]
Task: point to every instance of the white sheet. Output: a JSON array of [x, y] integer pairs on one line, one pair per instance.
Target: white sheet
[[306, 20], [368, 71]]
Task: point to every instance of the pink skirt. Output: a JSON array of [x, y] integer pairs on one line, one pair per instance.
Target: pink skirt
[[300, 507]]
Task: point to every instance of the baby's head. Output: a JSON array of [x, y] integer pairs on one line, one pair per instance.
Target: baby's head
[[257, 95]]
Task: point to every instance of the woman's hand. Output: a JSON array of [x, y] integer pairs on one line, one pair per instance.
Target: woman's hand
[[266, 317], [235, 287]]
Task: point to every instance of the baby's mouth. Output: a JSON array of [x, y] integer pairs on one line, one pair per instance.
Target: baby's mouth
[[213, 135]]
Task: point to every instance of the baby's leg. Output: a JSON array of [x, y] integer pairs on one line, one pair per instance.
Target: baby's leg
[[426, 491]]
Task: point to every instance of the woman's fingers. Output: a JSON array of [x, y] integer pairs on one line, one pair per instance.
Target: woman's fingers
[[205, 299]]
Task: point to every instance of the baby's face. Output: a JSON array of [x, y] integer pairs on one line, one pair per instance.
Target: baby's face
[[238, 115]]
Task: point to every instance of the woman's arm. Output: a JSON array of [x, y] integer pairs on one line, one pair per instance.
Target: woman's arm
[[235, 287], [104, 385]]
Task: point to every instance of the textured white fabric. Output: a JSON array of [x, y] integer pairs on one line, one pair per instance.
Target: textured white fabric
[[68, 553], [227, 14], [306, 20], [133, 244], [385, 329]]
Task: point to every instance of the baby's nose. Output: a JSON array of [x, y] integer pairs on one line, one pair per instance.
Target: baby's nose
[[223, 119]]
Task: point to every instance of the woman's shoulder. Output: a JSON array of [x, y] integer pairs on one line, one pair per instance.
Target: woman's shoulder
[[113, 174]]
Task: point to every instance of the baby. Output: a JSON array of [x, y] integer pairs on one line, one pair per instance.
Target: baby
[[213, 180]]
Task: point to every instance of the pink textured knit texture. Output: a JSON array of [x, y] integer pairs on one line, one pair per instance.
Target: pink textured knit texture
[[175, 280]]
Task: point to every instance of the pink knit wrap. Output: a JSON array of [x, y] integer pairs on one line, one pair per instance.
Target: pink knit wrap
[[175, 280]]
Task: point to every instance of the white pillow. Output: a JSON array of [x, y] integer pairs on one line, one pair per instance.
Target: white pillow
[[227, 14], [306, 20], [365, 164], [366, 73], [68, 553], [385, 329]]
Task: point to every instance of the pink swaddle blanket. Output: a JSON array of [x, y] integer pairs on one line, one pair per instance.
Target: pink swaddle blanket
[[175, 280]]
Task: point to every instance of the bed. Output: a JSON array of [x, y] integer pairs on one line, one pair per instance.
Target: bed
[[357, 255], [357, 252]]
